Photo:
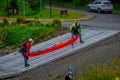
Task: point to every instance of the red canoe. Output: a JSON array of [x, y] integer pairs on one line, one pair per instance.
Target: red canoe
[[54, 47]]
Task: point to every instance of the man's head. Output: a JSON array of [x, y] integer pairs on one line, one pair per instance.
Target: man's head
[[77, 24], [30, 40]]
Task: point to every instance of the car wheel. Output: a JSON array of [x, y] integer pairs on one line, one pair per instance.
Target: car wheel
[[99, 10], [110, 11], [89, 9]]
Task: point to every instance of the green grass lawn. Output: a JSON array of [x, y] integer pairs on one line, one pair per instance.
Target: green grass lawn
[[55, 14]]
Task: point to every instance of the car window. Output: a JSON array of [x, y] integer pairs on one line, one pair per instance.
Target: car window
[[107, 3], [99, 2], [94, 2]]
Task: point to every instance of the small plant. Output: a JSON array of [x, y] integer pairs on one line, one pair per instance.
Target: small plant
[[13, 24], [20, 19], [14, 35], [5, 21], [56, 23], [57, 76], [38, 23], [30, 24], [102, 71]]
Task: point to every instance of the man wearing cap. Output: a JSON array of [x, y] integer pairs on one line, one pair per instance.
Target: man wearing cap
[[25, 50], [76, 29]]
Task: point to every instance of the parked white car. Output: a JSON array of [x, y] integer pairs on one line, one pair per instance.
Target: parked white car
[[100, 5]]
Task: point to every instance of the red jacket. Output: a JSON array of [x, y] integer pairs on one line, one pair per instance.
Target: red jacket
[[25, 48], [28, 45]]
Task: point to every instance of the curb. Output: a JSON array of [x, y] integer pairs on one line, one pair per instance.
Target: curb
[[7, 73], [50, 20], [65, 20]]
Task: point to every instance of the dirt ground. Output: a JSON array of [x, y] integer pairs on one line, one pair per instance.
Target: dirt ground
[[102, 51]]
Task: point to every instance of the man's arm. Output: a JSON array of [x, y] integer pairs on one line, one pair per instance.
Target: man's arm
[[80, 30], [71, 27]]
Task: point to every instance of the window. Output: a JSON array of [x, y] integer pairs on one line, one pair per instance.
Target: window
[[99, 2], [107, 3]]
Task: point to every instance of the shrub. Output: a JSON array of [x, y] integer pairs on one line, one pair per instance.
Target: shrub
[[56, 23], [38, 23], [5, 23], [13, 36], [14, 24], [20, 19], [30, 24], [48, 25]]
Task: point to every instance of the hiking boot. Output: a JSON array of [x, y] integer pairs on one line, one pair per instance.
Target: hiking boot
[[81, 41], [27, 65]]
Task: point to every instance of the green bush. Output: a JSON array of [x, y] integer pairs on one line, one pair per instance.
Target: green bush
[[56, 23], [79, 2], [14, 24], [5, 21], [20, 19], [30, 24], [13, 36], [38, 23], [48, 25]]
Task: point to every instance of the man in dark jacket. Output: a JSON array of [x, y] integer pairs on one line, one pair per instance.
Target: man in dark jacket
[[69, 74], [25, 51], [76, 29]]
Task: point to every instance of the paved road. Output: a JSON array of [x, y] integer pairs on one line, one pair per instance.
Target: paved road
[[104, 20], [109, 21]]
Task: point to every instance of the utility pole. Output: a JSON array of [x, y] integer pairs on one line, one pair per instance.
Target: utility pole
[[50, 10], [7, 8], [24, 8], [40, 7]]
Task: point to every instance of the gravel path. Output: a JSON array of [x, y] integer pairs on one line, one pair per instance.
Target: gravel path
[[103, 51]]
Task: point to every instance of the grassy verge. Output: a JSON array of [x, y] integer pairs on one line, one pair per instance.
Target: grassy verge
[[55, 14], [97, 71], [117, 8], [101, 71], [13, 34]]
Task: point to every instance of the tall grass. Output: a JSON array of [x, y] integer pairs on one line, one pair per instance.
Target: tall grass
[[13, 35], [117, 8], [102, 71]]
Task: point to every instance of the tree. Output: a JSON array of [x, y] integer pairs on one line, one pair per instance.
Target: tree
[[34, 4], [65, 0], [80, 2], [13, 3]]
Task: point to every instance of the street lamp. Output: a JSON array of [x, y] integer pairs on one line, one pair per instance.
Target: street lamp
[[50, 9], [7, 8], [40, 7], [24, 8]]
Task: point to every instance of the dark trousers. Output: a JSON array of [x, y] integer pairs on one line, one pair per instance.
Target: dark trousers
[[25, 58], [80, 37]]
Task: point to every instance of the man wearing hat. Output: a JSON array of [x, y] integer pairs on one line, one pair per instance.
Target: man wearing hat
[[25, 50], [76, 29]]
